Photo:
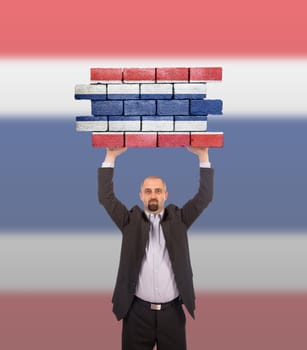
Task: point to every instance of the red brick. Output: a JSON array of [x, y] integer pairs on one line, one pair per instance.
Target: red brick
[[106, 74], [173, 139], [108, 139], [175, 74], [205, 74], [146, 139], [143, 74], [207, 139]]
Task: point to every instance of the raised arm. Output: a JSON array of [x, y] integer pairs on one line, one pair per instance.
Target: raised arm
[[194, 207], [117, 210]]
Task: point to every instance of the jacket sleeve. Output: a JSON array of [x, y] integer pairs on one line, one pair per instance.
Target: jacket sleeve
[[117, 210], [194, 207]]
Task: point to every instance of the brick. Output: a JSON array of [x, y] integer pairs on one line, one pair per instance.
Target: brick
[[175, 139], [188, 123], [102, 108], [107, 74], [156, 91], [204, 107], [189, 91], [90, 92], [138, 107], [206, 74], [91, 123], [139, 75], [146, 139], [158, 123], [123, 91], [173, 107], [122, 123], [172, 74], [108, 139], [207, 139]]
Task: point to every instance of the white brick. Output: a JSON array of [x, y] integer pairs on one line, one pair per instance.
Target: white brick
[[124, 89], [190, 88], [157, 89], [83, 89], [125, 124], [190, 125], [158, 123], [99, 125]]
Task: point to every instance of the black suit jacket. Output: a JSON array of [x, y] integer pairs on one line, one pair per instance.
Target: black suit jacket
[[135, 226]]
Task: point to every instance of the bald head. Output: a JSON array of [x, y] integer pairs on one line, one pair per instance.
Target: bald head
[[154, 178], [153, 194]]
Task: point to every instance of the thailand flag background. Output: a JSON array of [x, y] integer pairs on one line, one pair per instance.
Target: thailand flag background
[[58, 249]]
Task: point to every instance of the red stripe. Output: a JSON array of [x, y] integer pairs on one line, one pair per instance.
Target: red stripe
[[139, 74], [183, 74], [85, 321], [237, 27], [173, 140], [108, 139], [155, 139], [207, 140]]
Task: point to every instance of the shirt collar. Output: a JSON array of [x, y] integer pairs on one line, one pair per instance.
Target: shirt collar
[[160, 214]]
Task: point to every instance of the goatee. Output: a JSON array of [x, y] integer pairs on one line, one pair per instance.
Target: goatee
[[153, 206]]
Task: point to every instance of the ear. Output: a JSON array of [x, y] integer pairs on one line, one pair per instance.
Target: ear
[[166, 195], [141, 196]]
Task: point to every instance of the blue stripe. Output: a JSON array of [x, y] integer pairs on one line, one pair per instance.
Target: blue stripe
[[48, 176], [189, 118], [201, 107], [124, 118], [107, 108], [118, 97], [158, 118], [91, 119], [101, 97]]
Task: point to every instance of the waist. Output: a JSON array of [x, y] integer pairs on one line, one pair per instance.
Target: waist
[[158, 306]]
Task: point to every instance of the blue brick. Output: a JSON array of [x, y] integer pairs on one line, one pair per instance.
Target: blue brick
[[156, 96], [190, 118], [91, 119], [189, 96], [90, 96], [107, 108], [173, 107], [203, 107], [139, 107], [123, 96]]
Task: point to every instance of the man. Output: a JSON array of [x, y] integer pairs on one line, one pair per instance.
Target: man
[[155, 275]]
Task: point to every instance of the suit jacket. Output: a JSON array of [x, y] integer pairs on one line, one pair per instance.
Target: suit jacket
[[135, 226]]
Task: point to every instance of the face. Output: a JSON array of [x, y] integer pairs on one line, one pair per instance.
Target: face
[[153, 194]]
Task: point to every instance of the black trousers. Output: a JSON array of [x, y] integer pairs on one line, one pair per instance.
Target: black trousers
[[144, 328]]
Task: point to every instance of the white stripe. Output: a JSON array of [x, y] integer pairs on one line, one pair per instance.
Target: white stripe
[[124, 89], [158, 88], [59, 261], [44, 87], [191, 88]]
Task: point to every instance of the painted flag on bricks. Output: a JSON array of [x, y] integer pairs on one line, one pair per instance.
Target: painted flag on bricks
[[59, 250]]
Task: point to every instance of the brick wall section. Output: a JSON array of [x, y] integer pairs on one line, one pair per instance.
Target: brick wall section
[[150, 107]]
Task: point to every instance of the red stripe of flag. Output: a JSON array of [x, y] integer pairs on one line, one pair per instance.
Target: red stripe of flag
[[234, 28]]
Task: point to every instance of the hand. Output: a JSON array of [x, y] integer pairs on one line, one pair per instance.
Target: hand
[[202, 152], [113, 153]]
